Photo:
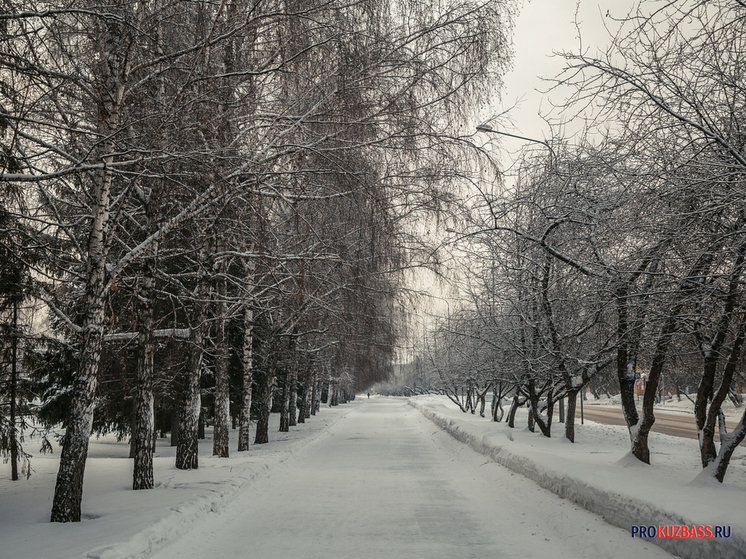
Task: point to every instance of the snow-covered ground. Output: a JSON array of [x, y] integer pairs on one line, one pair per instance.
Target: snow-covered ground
[[506, 514], [598, 473], [386, 483], [121, 523]]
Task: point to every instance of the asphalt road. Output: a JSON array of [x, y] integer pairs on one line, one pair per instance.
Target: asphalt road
[[385, 483], [677, 425]]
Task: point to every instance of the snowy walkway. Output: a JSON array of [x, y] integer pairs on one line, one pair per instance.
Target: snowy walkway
[[599, 473], [384, 482]]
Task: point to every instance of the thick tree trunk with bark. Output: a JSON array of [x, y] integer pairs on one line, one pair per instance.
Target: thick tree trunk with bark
[[200, 426], [220, 443], [535, 413], [187, 448], [707, 436], [68, 491], [625, 366], [144, 435], [244, 418], [497, 402], [175, 419], [712, 351]]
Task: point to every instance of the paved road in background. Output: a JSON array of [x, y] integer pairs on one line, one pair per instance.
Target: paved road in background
[[386, 483], [678, 425]]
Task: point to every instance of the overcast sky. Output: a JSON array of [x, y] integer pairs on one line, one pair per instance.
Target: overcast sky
[[544, 27]]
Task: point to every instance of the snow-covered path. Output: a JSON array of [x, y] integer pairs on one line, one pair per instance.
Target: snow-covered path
[[384, 482]]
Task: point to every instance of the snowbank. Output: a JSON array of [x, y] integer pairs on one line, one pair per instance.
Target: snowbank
[[598, 473]]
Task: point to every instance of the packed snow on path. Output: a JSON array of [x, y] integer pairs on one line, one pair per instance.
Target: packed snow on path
[[599, 472], [386, 482]]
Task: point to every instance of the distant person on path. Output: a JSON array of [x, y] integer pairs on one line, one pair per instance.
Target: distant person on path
[[368, 395]]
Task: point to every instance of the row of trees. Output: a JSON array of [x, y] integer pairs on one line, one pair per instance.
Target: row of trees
[[218, 197], [624, 251]]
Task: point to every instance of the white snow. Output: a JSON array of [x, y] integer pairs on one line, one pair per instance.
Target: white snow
[[121, 523], [386, 483], [599, 473], [596, 473]]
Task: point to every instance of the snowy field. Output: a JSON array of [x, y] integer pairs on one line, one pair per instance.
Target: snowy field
[[598, 472], [595, 472]]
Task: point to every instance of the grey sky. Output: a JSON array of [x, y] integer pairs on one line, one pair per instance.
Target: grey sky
[[544, 27]]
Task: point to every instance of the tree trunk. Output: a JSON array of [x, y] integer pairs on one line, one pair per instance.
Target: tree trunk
[[285, 411], [572, 402], [513, 409], [133, 430], [728, 444], [175, 418], [14, 395], [303, 403], [705, 419], [535, 414], [482, 402], [318, 396], [303, 411], [244, 418], [187, 447], [144, 435], [265, 403], [497, 403], [68, 491], [220, 441], [315, 395], [200, 425], [640, 435], [142, 474], [625, 362], [309, 393], [293, 408]]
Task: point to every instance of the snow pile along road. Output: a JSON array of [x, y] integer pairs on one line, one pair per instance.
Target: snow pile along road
[[598, 473]]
